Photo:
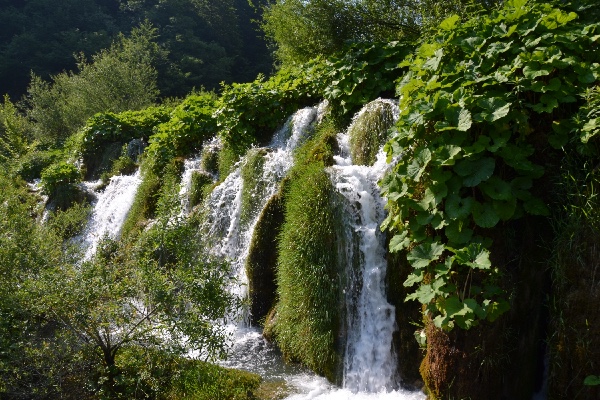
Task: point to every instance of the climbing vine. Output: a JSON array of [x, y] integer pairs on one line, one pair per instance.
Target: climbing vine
[[483, 104]]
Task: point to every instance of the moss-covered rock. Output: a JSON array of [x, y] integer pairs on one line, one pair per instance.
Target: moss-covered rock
[[369, 131], [262, 259], [307, 323], [254, 187], [200, 186]]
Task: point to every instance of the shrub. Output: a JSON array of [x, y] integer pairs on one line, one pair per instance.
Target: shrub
[[191, 124], [109, 127]]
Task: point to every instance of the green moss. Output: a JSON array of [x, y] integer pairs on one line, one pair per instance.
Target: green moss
[[307, 321], [203, 381], [210, 159], [201, 185], [147, 196], [150, 373], [254, 187], [262, 259], [227, 159], [273, 391], [70, 222], [321, 148], [368, 132]]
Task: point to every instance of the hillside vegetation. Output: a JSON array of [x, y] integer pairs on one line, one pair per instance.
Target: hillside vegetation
[[492, 224]]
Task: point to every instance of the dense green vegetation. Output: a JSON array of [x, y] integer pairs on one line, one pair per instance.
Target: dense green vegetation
[[492, 201], [202, 43]]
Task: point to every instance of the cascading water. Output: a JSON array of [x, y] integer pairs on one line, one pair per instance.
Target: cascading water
[[369, 361], [227, 235], [109, 211], [369, 364]]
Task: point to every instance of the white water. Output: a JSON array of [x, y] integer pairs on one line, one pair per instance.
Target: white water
[[370, 363], [109, 210], [226, 235]]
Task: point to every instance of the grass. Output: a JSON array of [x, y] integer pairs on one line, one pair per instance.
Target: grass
[[307, 323]]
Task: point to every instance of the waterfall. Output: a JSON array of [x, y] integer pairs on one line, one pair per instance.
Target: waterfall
[[229, 236], [369, 362], [109, 211]]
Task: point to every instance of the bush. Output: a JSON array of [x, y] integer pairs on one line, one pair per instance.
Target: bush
[[191, 124], [109, 127], [59, 176], [248, 114]]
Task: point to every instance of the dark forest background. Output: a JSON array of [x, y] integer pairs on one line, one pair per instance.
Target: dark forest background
[[203, 42]]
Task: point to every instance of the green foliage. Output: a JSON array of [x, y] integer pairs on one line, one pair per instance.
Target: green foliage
[[70, 222], [191, 123], [144, 204], [480, 104], [109, 127], [361, 73], [253, 187], [202, 381], [118, 79], [307, 322], [249, 113], [59, 177], [200, 187], [15, 132], [302, 30]]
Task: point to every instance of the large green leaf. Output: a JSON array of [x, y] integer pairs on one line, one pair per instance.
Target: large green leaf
[[457, 207], [496, 188], [474, 256], [423, 254], [484, 215], [475, 171], [458, 232], [399, 242], [417, 166]]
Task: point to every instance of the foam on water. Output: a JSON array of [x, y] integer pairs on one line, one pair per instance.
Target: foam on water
[[109, 210]]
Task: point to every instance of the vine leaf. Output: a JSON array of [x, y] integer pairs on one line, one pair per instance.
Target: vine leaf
[[457, 207], [484, 215], [413, 278], [474, 256], [494, 309], [458, 233], [419, 163], [475, 171], [422, 255], [494, 108], [399, 242], [497, 189]]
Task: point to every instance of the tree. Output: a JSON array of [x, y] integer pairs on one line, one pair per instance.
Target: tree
[[117, 79], [301, 29], [156, 293]]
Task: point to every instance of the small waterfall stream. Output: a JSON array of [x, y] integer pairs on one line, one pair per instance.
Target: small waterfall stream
[[370, 363], [109, 210], [227, 235]]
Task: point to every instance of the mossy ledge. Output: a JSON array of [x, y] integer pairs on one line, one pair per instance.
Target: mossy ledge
[[307, 276]]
